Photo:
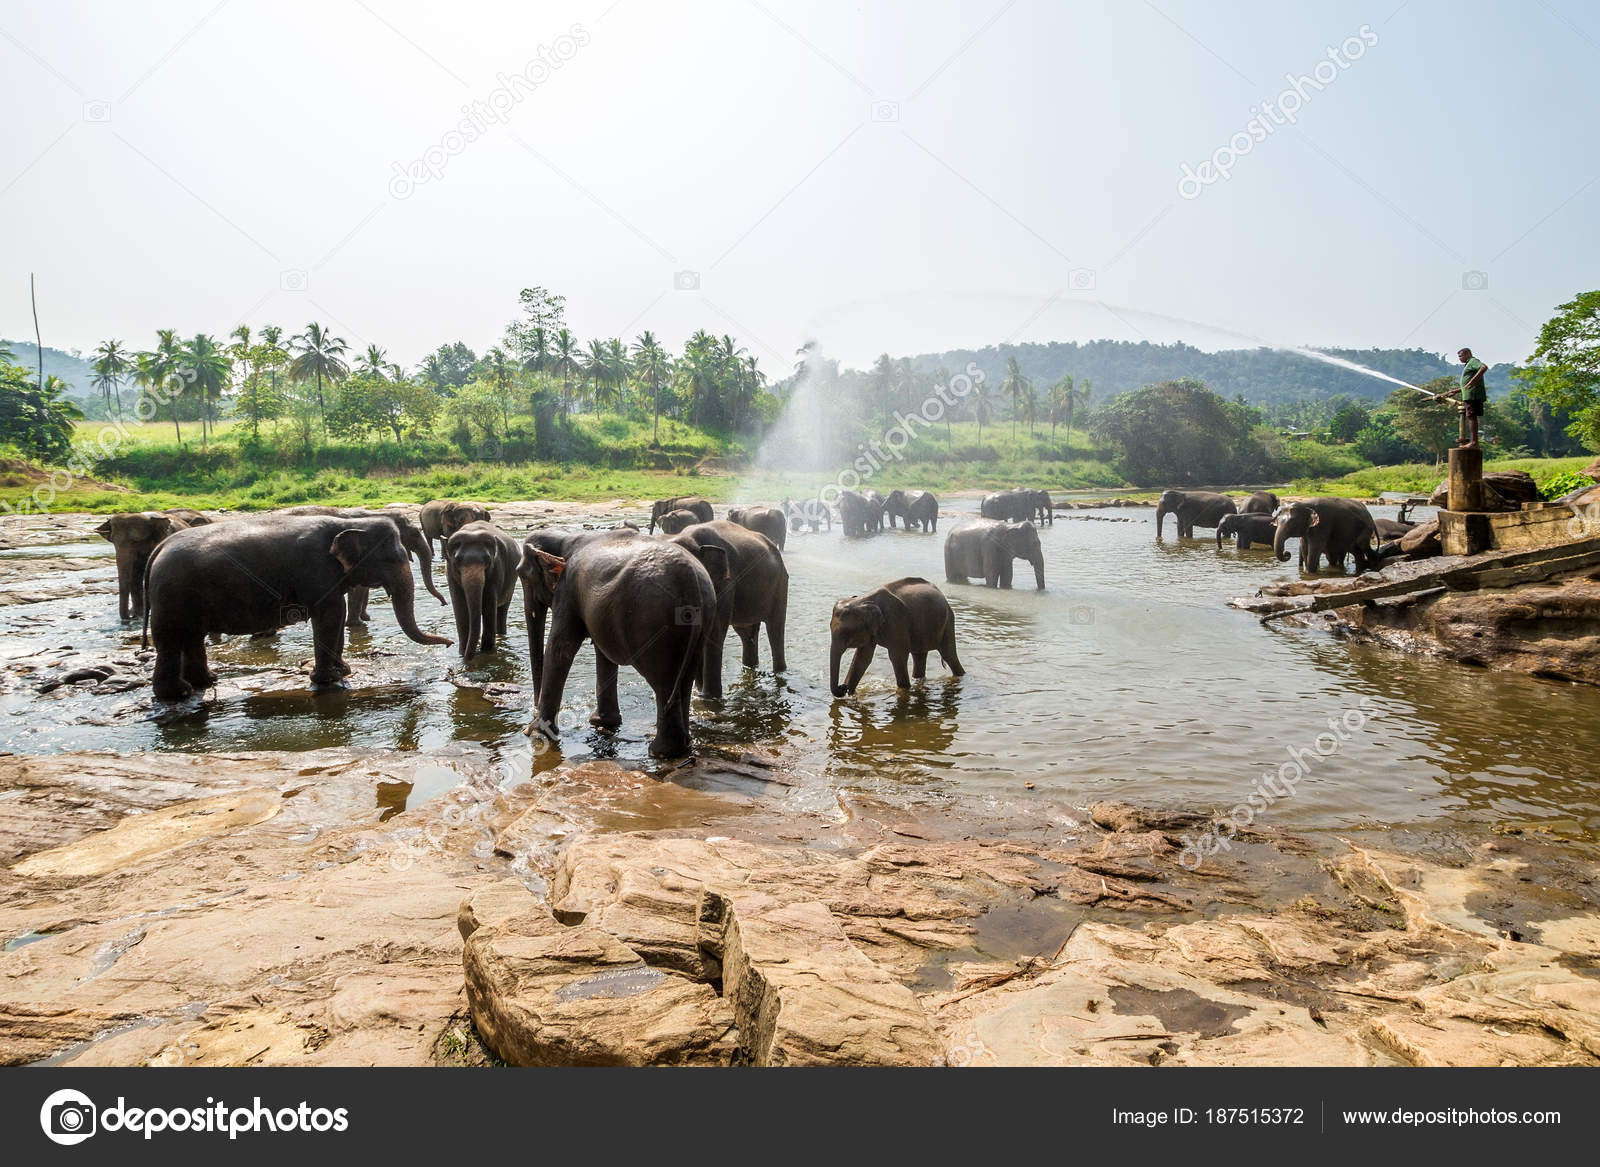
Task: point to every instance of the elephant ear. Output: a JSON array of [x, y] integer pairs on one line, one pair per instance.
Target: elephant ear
[[104, 529], [348, 548], [169, 525], [716, 563], [1316, 518]]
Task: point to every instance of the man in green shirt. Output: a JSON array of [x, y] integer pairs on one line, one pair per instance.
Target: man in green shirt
[[1473, 392]]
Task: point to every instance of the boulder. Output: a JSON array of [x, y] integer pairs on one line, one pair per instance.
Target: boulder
[[1504, 490], [1422, 541], [1592, 470]]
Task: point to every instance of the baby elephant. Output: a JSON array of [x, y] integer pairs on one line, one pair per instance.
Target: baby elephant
[[1251, 527], [480, 565], [909, 617], [672, 522]]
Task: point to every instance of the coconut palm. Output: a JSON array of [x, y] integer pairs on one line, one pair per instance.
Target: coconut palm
[[564, 362], [1015, 385], [651, 366], [374, 362], [112, 364], [536, 349], [205, 368], [1080, 400], [158, 368], [319, 354], [1061, 401]]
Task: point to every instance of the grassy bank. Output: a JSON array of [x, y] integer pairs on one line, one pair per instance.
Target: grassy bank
[[1423, 478]]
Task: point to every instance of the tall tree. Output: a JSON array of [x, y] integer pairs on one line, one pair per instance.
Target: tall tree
[[1061, 403], [112, 365], [651, 366], [374, 362], [564, 362], [319, 355], [1015, 386], [206, 369], [1564, 370], [158, 369]]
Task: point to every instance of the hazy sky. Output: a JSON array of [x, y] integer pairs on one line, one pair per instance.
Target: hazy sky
[[879, 175]]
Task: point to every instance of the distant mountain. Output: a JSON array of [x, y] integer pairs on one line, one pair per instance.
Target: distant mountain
[[1262, 376], [71, 366]]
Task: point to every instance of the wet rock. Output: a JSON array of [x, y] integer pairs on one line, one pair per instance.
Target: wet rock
[[1504, 490], [543, 993]]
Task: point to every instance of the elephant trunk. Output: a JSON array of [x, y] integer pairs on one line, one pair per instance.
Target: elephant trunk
[[402, 596], [1037, 559], [420, 546], [534, 614], [1279, 538], [1219, 536], [835, 651], [1161, 515], [474, 579]]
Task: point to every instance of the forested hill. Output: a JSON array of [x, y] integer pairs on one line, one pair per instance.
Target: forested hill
[[70, 367], [1261, 376]]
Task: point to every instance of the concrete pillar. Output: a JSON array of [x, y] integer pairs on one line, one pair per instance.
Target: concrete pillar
[[1466, 479]]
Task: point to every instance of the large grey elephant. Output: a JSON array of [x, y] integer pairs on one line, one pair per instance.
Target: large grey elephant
[[412, 538], [812, 512], [1332, 527], [646, 603], [687, 502], [1248, 529], [918, 508], [261, 573], [135, 536], [480, 565], [909, 617], [1262, 502], [859, 514], [986, 548], [1018, 505], [560, 542], [770, 521], [1192, 508], [443, 517], [754, 592]]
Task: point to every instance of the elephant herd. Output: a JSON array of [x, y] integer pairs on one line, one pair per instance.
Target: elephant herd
[[1327, 528], [660, 603]]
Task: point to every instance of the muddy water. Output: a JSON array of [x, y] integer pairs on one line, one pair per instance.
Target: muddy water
[[1127, 677]]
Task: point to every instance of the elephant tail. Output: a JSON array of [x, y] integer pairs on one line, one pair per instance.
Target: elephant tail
[[144, 631]]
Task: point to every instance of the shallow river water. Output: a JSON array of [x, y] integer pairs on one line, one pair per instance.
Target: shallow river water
[[1128, 677]]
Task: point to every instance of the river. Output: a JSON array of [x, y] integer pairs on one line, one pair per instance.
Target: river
[[1128, 677]]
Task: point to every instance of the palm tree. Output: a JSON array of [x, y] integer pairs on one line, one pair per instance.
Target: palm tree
[[882, 383], [319, 354], [207, 369], [1080, 400], [1015, 385], [156, 369], [594, 369], [374, 362], [650, 364], [617, 369], [536, 349], [1061, 404], [112, 364], [564, 361]]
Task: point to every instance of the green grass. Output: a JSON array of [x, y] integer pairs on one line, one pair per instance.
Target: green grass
[[1422, 478]]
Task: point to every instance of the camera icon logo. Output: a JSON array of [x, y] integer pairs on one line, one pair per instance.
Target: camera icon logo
[[687, 614], [97, 111], [1474, 281], [686, 281], [1081, 279], [292, 614], [885, 111], [1081, 615], [68, 1117], [293, 280]]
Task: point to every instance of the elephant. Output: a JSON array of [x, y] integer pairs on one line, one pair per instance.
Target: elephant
[[411, 538], [261, 573], [756, 592], [987, 547], [1262, 502], [768, 520], [918, 507], [687, 502], [1390, 530], [645, 603], [909, 617], [1192, 508], [811, 511], [561, 543], [443, 517], [1018, 505], [135, 535], [1249, 527], [480, 565], [859, 514], [1333, 527], [674, 521]]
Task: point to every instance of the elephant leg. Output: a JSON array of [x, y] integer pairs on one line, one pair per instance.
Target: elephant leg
[[558, 656], [672, 718], [775, 622], [167, 677], [1005, 572], [327, 641], [898, 659], [919, 665], [608, 713], [458, 608], [502, 616], [355, 601], [751, 655], [193, 665]]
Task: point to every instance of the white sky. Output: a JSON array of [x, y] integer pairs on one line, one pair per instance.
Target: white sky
[[881, 175]]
